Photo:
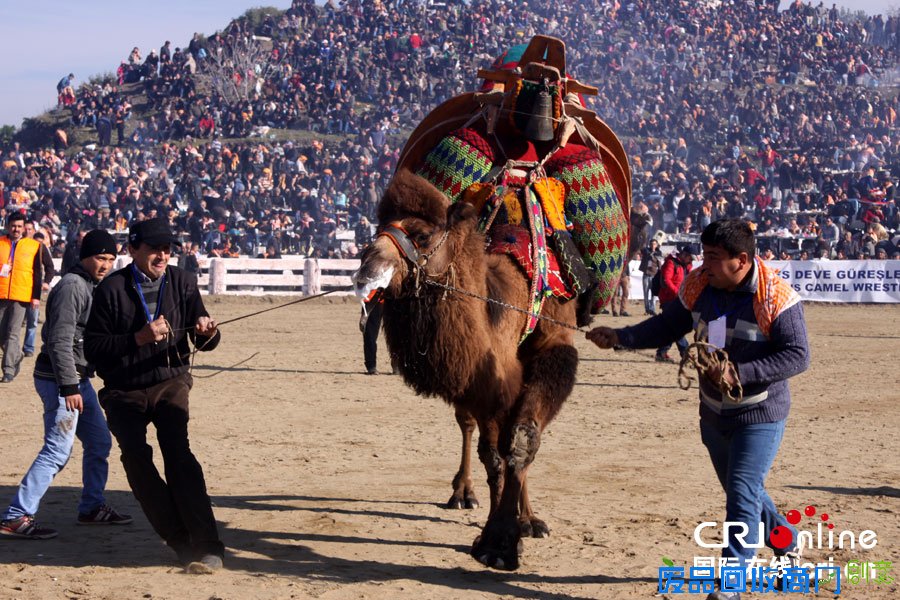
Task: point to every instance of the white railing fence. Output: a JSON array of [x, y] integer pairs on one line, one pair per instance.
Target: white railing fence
[[290, 275], [816, 281]]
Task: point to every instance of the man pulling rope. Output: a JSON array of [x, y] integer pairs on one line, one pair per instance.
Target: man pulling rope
[[750, 338]]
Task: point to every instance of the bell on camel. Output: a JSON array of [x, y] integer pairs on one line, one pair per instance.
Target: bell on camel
[[539, 127]]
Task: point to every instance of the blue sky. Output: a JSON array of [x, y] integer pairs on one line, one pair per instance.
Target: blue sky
[[43, 40]]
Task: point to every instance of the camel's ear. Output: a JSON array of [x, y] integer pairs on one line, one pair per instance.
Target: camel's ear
[[459, 212]]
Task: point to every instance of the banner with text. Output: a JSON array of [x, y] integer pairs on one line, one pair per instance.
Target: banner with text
[[826, 280]]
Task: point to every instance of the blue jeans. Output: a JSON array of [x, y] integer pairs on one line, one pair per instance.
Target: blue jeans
[[31, 323], [742, 457], [61, 427], [649, 302]]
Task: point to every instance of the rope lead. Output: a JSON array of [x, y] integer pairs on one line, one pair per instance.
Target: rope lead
[[703, 356]]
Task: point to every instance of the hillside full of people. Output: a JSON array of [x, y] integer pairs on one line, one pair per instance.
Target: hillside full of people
[[787, 117]]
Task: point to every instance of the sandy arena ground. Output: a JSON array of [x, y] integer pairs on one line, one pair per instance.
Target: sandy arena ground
[[328, 483]]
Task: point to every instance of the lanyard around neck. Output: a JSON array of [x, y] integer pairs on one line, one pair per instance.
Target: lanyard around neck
[[12, 251], [162, 286]]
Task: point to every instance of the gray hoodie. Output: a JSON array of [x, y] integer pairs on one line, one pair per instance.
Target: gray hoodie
[[62, 354]]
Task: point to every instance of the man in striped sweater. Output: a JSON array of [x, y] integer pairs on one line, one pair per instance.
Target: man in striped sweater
[[738, 304]]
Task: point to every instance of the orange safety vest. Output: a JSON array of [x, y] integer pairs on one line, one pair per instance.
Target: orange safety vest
[[19, 286]]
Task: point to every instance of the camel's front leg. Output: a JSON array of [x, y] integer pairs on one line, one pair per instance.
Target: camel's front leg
[[488, 435], [549, 382], [463, 491]]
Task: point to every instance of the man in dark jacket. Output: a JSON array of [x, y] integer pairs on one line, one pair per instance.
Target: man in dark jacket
[[651, 261], [138, 337], [62, 380]]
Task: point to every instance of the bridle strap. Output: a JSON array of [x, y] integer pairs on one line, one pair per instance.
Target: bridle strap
[[398, 236], [409, 249]]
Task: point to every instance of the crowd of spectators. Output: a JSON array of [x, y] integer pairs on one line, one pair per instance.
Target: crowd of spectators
[[726, 108]]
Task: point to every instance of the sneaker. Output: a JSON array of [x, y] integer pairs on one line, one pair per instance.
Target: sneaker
[[6, 379], [372, 372], [664, 358], [105, 515], [624, 313], [209, 564], [28, 353], [24, 527]]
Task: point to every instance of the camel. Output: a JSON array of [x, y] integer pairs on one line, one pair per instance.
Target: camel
[[467, 352]]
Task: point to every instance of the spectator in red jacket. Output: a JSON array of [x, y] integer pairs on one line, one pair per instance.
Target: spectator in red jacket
[[207, 126], [673, 272]]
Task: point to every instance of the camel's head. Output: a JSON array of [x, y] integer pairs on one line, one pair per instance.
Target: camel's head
[[418, 230]]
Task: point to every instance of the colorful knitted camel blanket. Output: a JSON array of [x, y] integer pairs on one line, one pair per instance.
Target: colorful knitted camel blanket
[[595, 215]]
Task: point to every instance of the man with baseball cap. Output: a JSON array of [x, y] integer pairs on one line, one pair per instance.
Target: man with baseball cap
[[62, 380], [142, 323]]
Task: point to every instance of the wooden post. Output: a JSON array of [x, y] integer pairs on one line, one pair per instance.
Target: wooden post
[[216, 276], [311, 273]]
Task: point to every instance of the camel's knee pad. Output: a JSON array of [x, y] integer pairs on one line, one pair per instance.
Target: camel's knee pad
[[525, 440]]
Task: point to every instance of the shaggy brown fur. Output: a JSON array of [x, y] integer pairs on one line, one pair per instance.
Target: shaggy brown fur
[[466, 351]]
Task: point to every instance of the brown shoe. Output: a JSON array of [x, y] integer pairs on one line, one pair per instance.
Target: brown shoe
[[207, 565]]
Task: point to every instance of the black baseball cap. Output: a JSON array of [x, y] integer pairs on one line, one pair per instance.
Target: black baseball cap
[[155, 232]]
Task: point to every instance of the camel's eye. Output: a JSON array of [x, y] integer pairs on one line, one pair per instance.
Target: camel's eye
[[421, 239]]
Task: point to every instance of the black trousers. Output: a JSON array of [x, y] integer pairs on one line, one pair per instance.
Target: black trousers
[[178, 507], [370, 334]]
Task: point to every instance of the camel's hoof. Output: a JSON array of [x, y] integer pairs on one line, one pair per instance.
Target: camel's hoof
[[498, 547], [455, 502], [458, 503], [534, 527]]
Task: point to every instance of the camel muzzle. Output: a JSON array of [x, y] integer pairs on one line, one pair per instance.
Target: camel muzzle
[[365, 284]]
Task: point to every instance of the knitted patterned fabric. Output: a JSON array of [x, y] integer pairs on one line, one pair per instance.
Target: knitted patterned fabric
[[516, 242], [773, 294], [539, 279], [459, 160], [600, 226]]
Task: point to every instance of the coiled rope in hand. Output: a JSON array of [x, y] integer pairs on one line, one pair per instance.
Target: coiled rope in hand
[[703, 357]]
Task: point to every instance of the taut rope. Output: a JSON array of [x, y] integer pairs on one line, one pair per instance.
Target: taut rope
[[450, 288], [197, 348]]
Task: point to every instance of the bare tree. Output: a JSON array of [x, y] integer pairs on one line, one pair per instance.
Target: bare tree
[[233, 65]]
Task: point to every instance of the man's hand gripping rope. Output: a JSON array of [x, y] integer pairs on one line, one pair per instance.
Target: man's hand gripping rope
[[713, 363]]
